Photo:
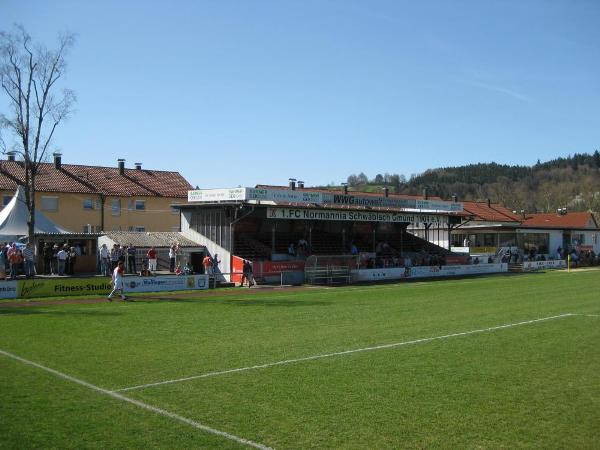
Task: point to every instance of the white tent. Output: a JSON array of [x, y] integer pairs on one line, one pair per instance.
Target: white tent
[[13, 219]]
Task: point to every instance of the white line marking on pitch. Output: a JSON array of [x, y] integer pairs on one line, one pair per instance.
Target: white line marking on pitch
[[143, 405], [345, 352]]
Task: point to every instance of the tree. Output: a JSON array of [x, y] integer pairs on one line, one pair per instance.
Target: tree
[[362, 178], [29, 74]]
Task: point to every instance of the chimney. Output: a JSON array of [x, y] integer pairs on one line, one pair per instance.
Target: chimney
[[425, 194], [138, 166], [455, 198], [292, 184], [10, 156], [345, 188], [300, 184], [386, 191], [121, 164], [57, 160], [489, 203]]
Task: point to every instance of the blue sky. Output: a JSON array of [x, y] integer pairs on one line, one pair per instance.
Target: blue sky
[[247, 91]]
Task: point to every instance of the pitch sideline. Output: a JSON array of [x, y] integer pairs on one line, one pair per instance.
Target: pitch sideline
[[138, 403], [341, 353]]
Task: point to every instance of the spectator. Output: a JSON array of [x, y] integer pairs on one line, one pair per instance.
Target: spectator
[[28, 260], [14, 259], [61, 258], [187, 269], [207, 263], [72, 259], [151, 259], [172, 256], [215, 264], [104, 260], [131, 252], [2, 263], [291, 250], [47, 258], [114, 257]]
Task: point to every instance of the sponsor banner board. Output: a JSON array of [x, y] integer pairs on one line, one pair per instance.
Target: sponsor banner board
[[304, 196], [8, 289], [275, 268], [397, 273], [165, 283], [390, 273], [352, 216], [50, 287], [539, 265], [59, 287], [217, 195]]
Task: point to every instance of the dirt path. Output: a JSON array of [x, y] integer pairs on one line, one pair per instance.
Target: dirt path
[[156, 296]]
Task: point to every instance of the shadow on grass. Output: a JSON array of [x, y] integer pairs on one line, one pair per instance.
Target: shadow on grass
[[272, 302], [55, 312]]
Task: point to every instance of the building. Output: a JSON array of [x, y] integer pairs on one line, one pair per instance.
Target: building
[[491, 227], [272, 224], [95, 199]]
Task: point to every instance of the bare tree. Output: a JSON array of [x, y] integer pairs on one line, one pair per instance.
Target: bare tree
[[29, 74]]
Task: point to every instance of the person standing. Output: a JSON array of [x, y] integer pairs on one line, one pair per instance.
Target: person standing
[[28, 259], [62, 257], [172, 256], [207, 263], [114, 257], [14, 258], [151, 259], [215, 264], [72, 259], [117, 281], [131, 252], [104, 260]]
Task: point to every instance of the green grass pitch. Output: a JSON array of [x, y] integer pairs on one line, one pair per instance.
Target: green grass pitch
[[438, 368]]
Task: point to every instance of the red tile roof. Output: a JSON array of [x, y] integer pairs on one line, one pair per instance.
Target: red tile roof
[[570, 220], [495, 212], [97, 180]]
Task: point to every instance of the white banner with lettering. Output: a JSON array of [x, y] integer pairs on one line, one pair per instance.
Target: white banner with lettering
[[529, 266], [397, 273], [352, 216], [320, 198]]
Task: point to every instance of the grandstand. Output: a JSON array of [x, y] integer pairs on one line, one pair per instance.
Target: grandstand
[[273, 225]]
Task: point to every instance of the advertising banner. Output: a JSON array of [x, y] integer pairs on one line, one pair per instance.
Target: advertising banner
[[352, 216], [320, 198], [165, 283], [529, 266], [397, 273], [8, 289], [49, 287]]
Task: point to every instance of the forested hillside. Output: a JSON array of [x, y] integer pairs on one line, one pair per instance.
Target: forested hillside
[[572, 182]]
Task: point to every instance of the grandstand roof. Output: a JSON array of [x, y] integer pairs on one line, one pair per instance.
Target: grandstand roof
[[74, 178], [490, 212], [569, 220]]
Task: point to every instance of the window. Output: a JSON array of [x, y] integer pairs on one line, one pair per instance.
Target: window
[[140, 205], [115, 207], [88, 203], [578, 239], [49, 203], [140, 229]]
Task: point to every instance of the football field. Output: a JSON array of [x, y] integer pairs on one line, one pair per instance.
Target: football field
[[492, 362]]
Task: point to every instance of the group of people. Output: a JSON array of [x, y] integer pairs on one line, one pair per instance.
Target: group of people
[[15, 259], [59, 259], [110, 259]]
